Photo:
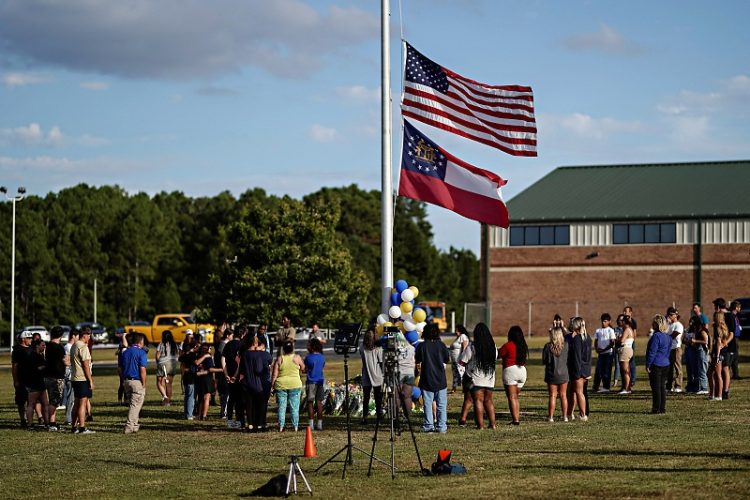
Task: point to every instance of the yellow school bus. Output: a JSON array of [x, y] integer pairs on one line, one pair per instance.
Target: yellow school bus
[[435, 313]]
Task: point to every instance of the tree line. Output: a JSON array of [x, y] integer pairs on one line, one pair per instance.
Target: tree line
[[249, 258]]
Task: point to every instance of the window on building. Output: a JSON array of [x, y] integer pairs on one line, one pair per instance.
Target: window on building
[[644, 233], [539, 235]]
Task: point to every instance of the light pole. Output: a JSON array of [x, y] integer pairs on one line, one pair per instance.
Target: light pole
[[13, 199]]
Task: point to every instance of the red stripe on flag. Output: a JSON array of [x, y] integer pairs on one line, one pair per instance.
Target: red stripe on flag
[[494, 144], [470, 205]]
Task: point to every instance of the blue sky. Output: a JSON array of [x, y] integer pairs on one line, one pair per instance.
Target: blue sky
[[203, 97]]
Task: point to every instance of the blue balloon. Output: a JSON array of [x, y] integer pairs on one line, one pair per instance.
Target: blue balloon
[[401, 285], [411, 336], [396, 299], [415, 393]]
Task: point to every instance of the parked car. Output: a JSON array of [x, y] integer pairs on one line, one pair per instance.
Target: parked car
[[37, 329], [177, 323], [744, 317], [98, 331]]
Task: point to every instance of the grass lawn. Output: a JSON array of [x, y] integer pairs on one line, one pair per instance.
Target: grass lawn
[[699, 448]]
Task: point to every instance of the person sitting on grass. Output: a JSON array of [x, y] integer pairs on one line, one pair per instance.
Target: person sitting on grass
[[315, 387], [479, 360], [514, 354], [555, 359]]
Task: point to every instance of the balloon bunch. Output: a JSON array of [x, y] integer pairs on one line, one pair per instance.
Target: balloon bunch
[[403, 313]]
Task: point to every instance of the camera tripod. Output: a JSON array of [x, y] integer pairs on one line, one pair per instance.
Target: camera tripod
[[348, 447], [394, 403]]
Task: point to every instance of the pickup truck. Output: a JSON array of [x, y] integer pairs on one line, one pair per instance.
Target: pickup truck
[[177, 323]]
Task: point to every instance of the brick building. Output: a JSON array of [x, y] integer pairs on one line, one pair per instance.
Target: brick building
[[588, 240]]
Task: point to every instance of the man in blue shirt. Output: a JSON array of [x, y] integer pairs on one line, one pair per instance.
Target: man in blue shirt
[[133, 368]]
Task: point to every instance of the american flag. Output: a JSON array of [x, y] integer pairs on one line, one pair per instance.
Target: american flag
[[501, 116]]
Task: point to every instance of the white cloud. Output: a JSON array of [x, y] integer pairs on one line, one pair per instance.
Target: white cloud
[[287, 38], [34, 135], [320, 133], [359, 93], [729, 96], [95, 85], [586, 126], [22, 79], [606, 39]]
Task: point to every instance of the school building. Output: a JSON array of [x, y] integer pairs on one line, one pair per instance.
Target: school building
[[592, 239]]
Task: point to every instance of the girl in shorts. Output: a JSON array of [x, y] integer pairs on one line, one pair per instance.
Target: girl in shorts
[[166, 364], [479, 359], [204, 383], [514, 354]]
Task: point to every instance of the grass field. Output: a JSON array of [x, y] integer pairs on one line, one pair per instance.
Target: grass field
[[698, 449]]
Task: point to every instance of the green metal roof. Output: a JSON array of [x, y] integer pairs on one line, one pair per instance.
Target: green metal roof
[[636, 192]]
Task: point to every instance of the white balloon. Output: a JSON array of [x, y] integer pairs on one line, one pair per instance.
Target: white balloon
[[407, 295], [394, 312], [420, 326], [407, 317], [409, 326], [382, 318]]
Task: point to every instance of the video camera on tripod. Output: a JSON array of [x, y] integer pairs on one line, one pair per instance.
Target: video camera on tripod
[[389, 343]]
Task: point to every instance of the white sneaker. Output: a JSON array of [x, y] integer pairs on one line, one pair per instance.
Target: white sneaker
[[583, 418], [602, 390], [624, 392], [565, 419], [702, 392], [550, 419], [677, 390], [320, 425]]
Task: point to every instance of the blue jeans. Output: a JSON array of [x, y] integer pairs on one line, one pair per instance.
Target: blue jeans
[[69, 400], [189, 400], [441, 398], [691, 367], [291, 395], [603, 370], [701, 366]]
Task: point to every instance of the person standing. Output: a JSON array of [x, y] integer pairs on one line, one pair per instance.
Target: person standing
[[372, 375], [675, 331], [723, 336], [286, 331], [695, 341], [657, 363], [315, 385], [626, 341], [188, 371], [166, 366], [579, 368], [82, 381], [235, 411], [698, 312], [19, 362], [254, 374], [433, 355], [287, 382], [734, 347], [54, 377], [555, 359], [68, 396], [133, 361], [514, 354], [628, 311], [315, 333], [459, 345], [34, 379], [604, 342], [479, 362]]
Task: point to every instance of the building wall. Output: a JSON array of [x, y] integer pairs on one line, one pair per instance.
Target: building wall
[[528, 285]]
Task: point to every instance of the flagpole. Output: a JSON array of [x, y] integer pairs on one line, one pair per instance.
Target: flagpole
[[386, 193]]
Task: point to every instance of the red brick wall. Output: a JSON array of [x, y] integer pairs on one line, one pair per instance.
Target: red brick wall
[[597, 287]]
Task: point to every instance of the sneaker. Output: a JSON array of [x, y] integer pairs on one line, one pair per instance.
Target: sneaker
[[320, 425], [677, 389], [565, 419], [191, 418], [550, 419], [583, 418], [86, 431], [61, 407], [725, 395], [602, 390], [53, 428], [702, 392], [624, 392]]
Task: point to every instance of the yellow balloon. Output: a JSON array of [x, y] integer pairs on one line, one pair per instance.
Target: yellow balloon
[[406, 307], [387, 323], [379, 329], [415, 290], [419, 315], [400, 325]]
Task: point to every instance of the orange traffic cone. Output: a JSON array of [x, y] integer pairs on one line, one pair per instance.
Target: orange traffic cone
[[310, 451]]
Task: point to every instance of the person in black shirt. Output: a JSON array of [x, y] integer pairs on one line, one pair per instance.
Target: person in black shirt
[[54, 377], [229, 363], [34, 379], [187, 360], [20, 358], [433, 355]]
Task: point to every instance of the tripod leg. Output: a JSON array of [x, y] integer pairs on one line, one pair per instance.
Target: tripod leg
[[302, 475], [374, 440], [407, 417], [289, 477]]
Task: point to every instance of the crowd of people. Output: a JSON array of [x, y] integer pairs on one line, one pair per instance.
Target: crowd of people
[[239, 373]]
